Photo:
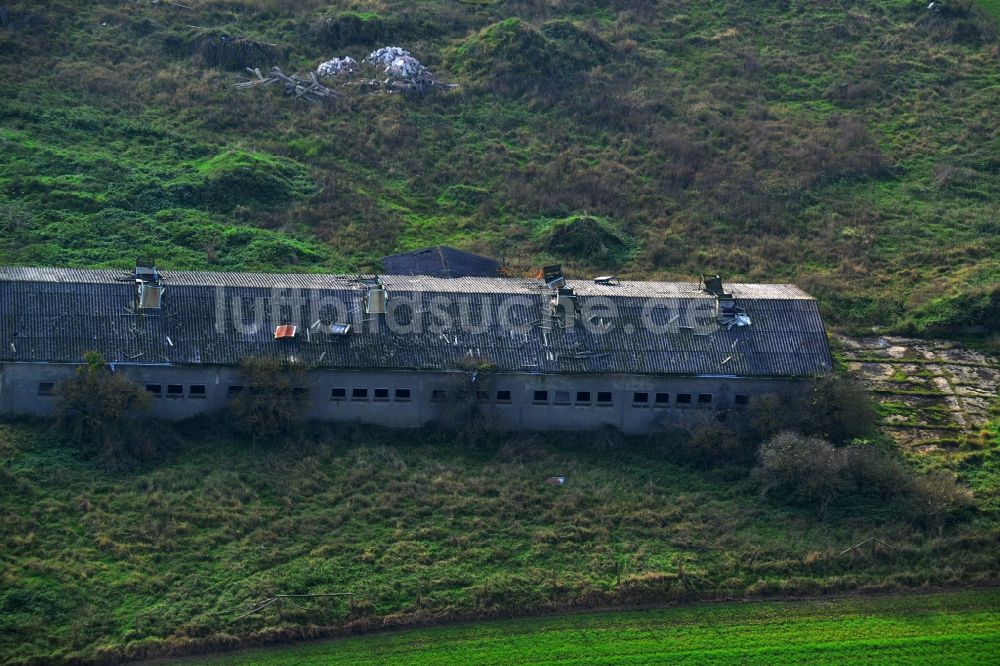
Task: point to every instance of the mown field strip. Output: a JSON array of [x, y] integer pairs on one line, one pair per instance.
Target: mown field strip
[[958, 627]]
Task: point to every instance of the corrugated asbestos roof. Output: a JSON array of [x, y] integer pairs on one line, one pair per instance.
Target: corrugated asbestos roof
[[55, 315]]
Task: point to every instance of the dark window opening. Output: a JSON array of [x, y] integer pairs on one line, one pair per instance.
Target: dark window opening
[[359, 394], [233, 390], [197, 391], [583, 397], [46, 388], [155, 390], [482, 396], [541, 397], [561, 398], [683, 398], [402, 395], [175, 390], [704, 398], [503, 397], [338, 393], [742, 399], [439, 395], [662, 399], [381, 395], [640, 399], [604, 397]]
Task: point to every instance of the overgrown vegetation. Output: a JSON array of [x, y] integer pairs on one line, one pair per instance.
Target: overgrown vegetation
[[421, 529], [272, 400], [850, 149], [99, 411]]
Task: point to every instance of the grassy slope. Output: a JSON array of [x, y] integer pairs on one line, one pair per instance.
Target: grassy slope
[[419, 529], [849, 148], [961, 628]]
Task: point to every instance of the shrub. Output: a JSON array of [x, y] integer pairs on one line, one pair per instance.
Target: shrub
[[872, 472], [770, 414], [97, 409], [839, 409], [935, 498], [274, 399], [713, 445], [805, 468]]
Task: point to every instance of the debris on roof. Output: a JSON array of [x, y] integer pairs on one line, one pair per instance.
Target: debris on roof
[[55, 315], [285, 331]]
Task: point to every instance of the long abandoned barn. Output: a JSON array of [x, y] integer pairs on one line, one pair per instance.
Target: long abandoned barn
[[400, 350]]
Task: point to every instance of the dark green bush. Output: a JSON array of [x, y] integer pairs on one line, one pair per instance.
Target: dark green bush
[[274, 399], [99, 410]]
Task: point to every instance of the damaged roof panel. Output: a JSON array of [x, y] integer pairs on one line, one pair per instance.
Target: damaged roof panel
[[55, 315]]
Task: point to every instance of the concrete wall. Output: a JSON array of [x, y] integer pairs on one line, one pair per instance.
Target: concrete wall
[[561, 406]]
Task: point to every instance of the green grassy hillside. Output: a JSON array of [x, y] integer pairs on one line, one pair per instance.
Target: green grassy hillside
[[169, 556], [959, 628], [850, 148]]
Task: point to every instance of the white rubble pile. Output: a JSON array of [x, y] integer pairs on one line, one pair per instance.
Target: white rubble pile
[[345, 65], [385, 55], [405, 67]]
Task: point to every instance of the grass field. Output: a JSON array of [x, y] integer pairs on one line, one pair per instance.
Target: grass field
[[954, 628], [161, 558]]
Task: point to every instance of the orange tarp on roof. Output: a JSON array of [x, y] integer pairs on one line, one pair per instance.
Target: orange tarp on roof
[[284, 331]]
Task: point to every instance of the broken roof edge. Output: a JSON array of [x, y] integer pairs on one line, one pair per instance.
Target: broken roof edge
[[414, 283]]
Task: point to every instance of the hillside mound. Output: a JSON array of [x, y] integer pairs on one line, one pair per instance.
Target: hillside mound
[[236, 177], [514, 51]]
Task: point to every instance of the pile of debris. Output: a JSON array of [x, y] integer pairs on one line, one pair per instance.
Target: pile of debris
[[346, 65], [403, 73], [386, 54], [308, 89]]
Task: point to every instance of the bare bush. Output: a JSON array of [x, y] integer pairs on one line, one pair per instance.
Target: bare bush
[[935, 498], [805, 468]]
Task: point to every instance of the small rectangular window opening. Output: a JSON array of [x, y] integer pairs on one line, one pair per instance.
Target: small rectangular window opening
[[46, 388], [175, 390], [604, 398], [381, 395], [561, 398], [683, 398], [640, 399], [197, 391], [503, 397], [155, 390], [402, 395], [704, 398], [338, 393], [482, 396], [662, 399], [583, 397], [359, 394], [541, 397], [742, 399]]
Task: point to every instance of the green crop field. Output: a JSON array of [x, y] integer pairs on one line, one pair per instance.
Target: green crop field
[[957, 628]]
